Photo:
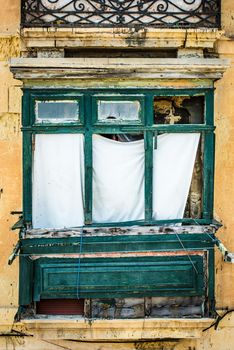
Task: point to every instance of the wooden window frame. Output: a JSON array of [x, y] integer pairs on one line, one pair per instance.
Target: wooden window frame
[[87, 126]]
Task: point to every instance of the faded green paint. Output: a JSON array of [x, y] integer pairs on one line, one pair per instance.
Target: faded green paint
[[27, 177], [25, 281], [88, 108], [161, 243], [66, 269], [123, 243], [119, 278], [88, 154]]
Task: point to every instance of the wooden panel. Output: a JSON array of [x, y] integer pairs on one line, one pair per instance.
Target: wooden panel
[[117, 243], [114, 247], [25, 274], [119, 277]]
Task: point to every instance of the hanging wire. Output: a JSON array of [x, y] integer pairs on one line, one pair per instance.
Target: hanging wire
[[182, 245]]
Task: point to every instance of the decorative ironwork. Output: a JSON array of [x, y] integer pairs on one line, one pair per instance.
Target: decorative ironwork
[[121, 13]]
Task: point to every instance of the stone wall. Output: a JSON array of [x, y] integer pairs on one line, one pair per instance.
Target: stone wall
[[10, 200]]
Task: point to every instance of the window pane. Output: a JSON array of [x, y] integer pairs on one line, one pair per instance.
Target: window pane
[[110, 111], [58, 181], [118, 180], [179, 110], [173, 164], [57, 111]]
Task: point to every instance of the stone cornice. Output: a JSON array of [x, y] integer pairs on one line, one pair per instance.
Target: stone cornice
[[60, 38], [120, 68], [112, 330]]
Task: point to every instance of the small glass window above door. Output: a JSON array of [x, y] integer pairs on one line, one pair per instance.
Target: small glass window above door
[[57, 111], [118, 109]]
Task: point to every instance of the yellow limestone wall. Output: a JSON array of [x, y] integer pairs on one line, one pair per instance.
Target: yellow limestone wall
[[10, 196], [10, 157]]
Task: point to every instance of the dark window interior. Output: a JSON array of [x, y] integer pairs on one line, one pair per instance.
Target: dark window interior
[[60, 307], [179, 110], [125, 53]]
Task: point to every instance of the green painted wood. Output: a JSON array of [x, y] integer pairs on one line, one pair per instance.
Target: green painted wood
[[88, 108], [159, 127], [209, 158], [119, 278], [148, 174], [177, 128], [25, 281], [209, 107], [57, 97], [121, 243], [27, 176], [88, 156], [211, 283], [26, 109], [55, 129], [208, 176], [148, 136], [27, 158], [108, 129], [122, 270]]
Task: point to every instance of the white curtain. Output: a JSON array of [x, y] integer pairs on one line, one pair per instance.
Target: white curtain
[[118, 179], [58, 181], [173, 164]]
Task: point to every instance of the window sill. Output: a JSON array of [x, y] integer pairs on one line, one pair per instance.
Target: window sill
[[55, 327]]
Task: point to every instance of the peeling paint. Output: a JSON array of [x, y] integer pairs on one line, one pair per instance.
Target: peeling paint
[[10, 177]]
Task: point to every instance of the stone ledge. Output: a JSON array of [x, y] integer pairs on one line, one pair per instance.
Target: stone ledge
[[119, 38], [113, 330], [130, 68]]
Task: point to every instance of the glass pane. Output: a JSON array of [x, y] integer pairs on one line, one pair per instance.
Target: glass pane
[[118, 179], [57, 111], [111, 111], [179, 110]]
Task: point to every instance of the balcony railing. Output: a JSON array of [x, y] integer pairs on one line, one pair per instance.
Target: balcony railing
[[121, 13]]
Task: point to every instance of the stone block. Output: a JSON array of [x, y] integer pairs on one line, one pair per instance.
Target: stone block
[[15, 94]]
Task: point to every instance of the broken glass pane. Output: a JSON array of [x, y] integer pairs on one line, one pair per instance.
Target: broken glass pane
[[179, 110]]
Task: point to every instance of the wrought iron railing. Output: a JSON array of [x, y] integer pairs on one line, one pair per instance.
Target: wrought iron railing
[[121, 13]]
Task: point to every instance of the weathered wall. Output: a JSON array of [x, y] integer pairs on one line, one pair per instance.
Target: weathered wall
[[9, 17], [10, 156], [10, 195], [224, 179]]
